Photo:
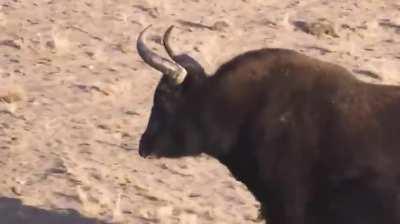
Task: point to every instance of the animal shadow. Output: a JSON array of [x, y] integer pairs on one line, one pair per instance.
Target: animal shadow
[[12, 211]]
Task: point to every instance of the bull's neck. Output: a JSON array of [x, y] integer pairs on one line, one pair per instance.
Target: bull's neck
[[242, 164]]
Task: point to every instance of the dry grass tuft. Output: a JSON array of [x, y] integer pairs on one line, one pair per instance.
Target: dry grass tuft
[[60, 41], [9, 97], [12, 94]]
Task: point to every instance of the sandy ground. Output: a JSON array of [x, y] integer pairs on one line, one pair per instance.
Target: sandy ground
[[75, 98]]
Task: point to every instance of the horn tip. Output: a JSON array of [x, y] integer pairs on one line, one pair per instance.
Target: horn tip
[[171, 27]]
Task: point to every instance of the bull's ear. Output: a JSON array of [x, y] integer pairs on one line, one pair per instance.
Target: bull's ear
[[190, 82], [195, 72]]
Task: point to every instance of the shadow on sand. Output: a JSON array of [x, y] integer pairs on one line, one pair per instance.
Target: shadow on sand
[[12, 211]]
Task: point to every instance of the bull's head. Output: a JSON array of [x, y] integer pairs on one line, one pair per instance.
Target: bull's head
[[164, 135]]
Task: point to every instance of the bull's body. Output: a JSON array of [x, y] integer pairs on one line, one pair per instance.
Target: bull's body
[[311, 142]]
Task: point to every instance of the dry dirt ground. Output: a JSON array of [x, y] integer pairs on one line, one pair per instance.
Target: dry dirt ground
[[75, 98]]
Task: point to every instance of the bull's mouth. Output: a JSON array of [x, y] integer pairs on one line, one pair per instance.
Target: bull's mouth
[[145, 152], [144, 148], [148, 153], [154, 154]]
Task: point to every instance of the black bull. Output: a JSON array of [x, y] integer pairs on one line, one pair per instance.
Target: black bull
[[310, 141]]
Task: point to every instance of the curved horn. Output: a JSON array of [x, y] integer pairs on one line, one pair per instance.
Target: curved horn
[[166, 42], [167, 67]]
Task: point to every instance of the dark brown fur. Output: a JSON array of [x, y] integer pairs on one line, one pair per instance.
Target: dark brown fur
[[311, 142]]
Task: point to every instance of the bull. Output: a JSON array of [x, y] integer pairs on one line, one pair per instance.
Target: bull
[[313, 143]]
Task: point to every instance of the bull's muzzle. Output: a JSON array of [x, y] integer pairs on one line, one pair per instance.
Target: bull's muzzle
[[144, 150]]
